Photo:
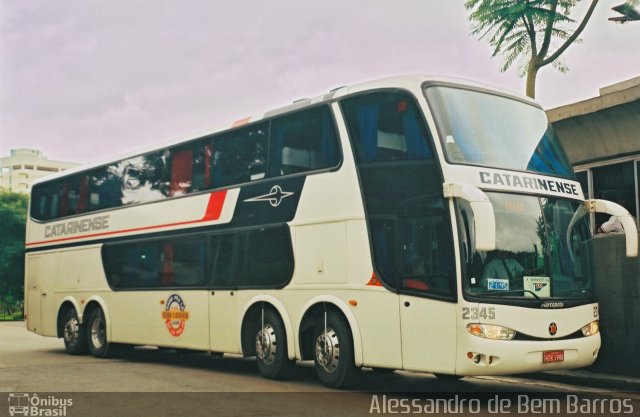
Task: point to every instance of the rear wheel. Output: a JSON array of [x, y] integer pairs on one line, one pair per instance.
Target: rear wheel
[[73, 333], [97, 334], [271, 347], [334, 357]]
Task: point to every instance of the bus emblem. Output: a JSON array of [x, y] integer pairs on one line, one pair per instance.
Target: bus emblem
[[553, 329], [175, 315], [275, 196]]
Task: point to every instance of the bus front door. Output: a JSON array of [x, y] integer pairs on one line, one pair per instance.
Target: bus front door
[[425, 271], [428, 334]]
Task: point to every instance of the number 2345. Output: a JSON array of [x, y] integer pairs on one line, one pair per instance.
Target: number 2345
[[475, 313]]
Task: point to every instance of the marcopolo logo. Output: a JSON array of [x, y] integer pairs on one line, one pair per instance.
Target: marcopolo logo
[[32, 405], [175, 315]]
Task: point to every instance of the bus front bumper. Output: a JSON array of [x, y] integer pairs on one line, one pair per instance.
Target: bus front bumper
[[478, 356]]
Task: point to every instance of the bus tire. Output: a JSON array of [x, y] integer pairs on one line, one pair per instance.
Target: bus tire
[[271, 347], [333, 352], [73, 333], [97, 334]]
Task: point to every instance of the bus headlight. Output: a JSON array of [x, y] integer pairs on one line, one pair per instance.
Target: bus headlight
[[591, 328], [491, 331]]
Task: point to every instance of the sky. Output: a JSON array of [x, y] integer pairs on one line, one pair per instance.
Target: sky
[[87, 80]]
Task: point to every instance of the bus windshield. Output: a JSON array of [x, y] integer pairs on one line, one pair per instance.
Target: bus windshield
[[542, 250], [489, 130]]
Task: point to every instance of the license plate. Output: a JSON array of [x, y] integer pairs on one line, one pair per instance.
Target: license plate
[[551, 356]]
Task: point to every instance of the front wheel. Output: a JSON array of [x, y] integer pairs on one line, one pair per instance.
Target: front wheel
[[271, 347], [73, 333], [334, 357]]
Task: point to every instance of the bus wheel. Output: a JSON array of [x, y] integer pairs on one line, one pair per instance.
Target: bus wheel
[[334, 357], [271, 347], [97, 334], [73, 333]]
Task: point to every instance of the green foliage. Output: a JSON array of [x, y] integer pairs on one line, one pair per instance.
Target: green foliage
[[533, 33], [13, 214]]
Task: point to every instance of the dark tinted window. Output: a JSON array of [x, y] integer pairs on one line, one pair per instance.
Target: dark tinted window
[[240, 156], [223, 258], [265, 258], [387, 126], [254, 258], [302, 142], [178, 262], [427, 263], [299, 142], [409, 229]]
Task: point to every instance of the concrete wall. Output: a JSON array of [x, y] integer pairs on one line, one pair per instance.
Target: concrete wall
[[618, 288], [607, 134]]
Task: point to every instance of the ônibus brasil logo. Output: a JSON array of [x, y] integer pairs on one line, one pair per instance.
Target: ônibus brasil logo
[[23, 404], [175, 315]]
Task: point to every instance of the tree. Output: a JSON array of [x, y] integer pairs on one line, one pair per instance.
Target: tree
[[13, 212], [528, 29]]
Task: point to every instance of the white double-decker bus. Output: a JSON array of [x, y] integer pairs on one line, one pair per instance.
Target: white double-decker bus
[[408, 223]]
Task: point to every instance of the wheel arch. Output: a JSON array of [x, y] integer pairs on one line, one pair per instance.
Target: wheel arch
[[309, 317], [250, 313], [93, 303], [65, 304]]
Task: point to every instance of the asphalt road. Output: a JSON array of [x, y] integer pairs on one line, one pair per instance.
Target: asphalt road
[[152, 382]]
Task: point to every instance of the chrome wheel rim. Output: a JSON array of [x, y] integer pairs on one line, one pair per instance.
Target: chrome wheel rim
[[328, 350], [98, 333], [72, 330], [266, 344]]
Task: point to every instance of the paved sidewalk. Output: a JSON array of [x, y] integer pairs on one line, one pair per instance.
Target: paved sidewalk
[[590, 379]]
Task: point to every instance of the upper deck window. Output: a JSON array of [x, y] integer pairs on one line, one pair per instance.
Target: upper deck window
[[386, 126], [479, 128], [292, 144]]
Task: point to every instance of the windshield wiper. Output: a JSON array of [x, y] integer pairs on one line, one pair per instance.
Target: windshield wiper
[[501, 293]]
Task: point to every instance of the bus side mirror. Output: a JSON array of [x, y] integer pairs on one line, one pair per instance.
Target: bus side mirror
[[628, 224], [484, 217]]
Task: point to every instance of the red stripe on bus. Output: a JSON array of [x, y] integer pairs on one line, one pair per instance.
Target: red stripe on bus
[[213, 212], [214, 208]]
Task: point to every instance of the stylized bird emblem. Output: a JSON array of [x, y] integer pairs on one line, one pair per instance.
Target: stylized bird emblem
[[275, 196]]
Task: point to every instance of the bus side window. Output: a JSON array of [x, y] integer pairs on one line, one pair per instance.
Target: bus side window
[[190, 168], [386, 126], [223, 257], [303, 142], [188, 261], [265, 257], [181, 171], [133, 265], [240, 155], [202, 158], [426, 248]]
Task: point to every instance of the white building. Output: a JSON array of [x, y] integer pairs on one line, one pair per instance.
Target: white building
[[23, 166]]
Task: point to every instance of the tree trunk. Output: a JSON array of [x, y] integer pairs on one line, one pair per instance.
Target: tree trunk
[[532, 73]]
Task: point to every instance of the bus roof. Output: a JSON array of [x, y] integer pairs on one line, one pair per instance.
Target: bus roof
[[400, 81]]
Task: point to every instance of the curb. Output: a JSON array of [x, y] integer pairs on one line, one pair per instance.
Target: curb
[[589, 379]]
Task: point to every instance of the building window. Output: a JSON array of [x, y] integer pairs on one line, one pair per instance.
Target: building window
[[616, 183], [619, 183]]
